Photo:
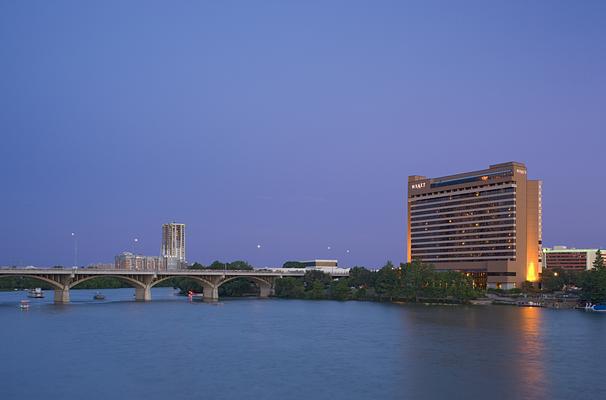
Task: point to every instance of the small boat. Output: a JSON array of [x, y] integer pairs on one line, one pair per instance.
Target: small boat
[[99, 296], [36, 293], [195, 296], [598, 307], [24, 305], [529, 304]]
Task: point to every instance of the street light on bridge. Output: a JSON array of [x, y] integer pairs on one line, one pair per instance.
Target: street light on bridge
[[75, 249]]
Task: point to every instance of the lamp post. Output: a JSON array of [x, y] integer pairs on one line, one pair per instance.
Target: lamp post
[[75, 249]]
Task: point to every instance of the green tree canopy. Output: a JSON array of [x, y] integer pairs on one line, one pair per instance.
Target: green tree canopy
[[293, 264], [340, 290], [234, 265], [417, 279], [313, 275], [598, 263], [387, 283], [361, 277], [289, 287]]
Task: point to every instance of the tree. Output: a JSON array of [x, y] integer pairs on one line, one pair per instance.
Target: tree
[[418, 278], [238, 288], [360, 277], [317, 291], [293, 264], [387, 283], [312, 276], [593, 285], [239, 265], [234, 265], [290, 287], [217, 265], [197, 265], [340, 290], [598, 263]]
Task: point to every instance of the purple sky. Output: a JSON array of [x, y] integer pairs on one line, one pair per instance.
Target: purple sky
[[293, 125]]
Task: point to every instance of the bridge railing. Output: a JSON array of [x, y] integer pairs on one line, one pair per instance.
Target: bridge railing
[[94, 271]]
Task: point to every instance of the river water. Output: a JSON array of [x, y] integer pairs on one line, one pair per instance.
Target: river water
[[293, 349]]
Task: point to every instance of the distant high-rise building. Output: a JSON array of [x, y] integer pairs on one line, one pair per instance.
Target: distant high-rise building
[[486, 223], [173, 245]]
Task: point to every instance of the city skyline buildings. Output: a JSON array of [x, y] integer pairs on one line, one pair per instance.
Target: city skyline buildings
[[293, 139]]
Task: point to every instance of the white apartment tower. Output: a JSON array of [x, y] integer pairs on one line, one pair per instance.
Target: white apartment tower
[[173, 244]]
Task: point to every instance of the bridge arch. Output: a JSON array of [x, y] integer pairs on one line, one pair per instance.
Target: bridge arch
[[133, 282], [255, 279], [198, 279], [265, 285], [54, 284]]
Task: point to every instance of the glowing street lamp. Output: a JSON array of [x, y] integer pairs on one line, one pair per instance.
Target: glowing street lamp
[[75, 249]]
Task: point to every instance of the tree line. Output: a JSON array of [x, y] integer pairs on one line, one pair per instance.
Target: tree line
[[416, 281]]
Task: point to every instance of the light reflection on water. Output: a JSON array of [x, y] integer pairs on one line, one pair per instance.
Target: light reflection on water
[[249, 348], [531, 355]]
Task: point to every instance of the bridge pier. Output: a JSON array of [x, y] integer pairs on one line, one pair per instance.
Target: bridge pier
[[211, 293], [61, 296], [265, 291], [143, 293]]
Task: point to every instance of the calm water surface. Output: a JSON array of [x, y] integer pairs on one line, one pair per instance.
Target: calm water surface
[[291, 349]]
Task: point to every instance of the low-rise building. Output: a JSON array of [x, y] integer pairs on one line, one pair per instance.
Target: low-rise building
[[103, 266], [571, 259], [320, 263], [130, 261]]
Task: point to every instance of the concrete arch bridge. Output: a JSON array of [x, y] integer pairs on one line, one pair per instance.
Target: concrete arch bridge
[[62, 280]]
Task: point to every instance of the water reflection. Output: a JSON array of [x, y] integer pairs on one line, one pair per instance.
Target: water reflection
[[477, 351], [530, 355]]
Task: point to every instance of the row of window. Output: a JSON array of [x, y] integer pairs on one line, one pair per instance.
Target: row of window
[[468, 202], [507, 222], [462, 213], [491, 217], [466, 237], [481, 193], [473, 178], [505, 230], [472, 256], [464, 249], [462, 243], [477, 206]]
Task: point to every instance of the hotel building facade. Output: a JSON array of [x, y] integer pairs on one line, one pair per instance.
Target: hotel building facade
[[486, 223]]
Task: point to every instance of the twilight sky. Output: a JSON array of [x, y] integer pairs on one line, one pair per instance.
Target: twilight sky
[[290, 124]]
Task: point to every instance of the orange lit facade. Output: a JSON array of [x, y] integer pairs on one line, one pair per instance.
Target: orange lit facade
[[487, 223]]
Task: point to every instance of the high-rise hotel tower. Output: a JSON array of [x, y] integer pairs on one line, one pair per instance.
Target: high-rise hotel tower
[[173, 245], [486, 223]]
